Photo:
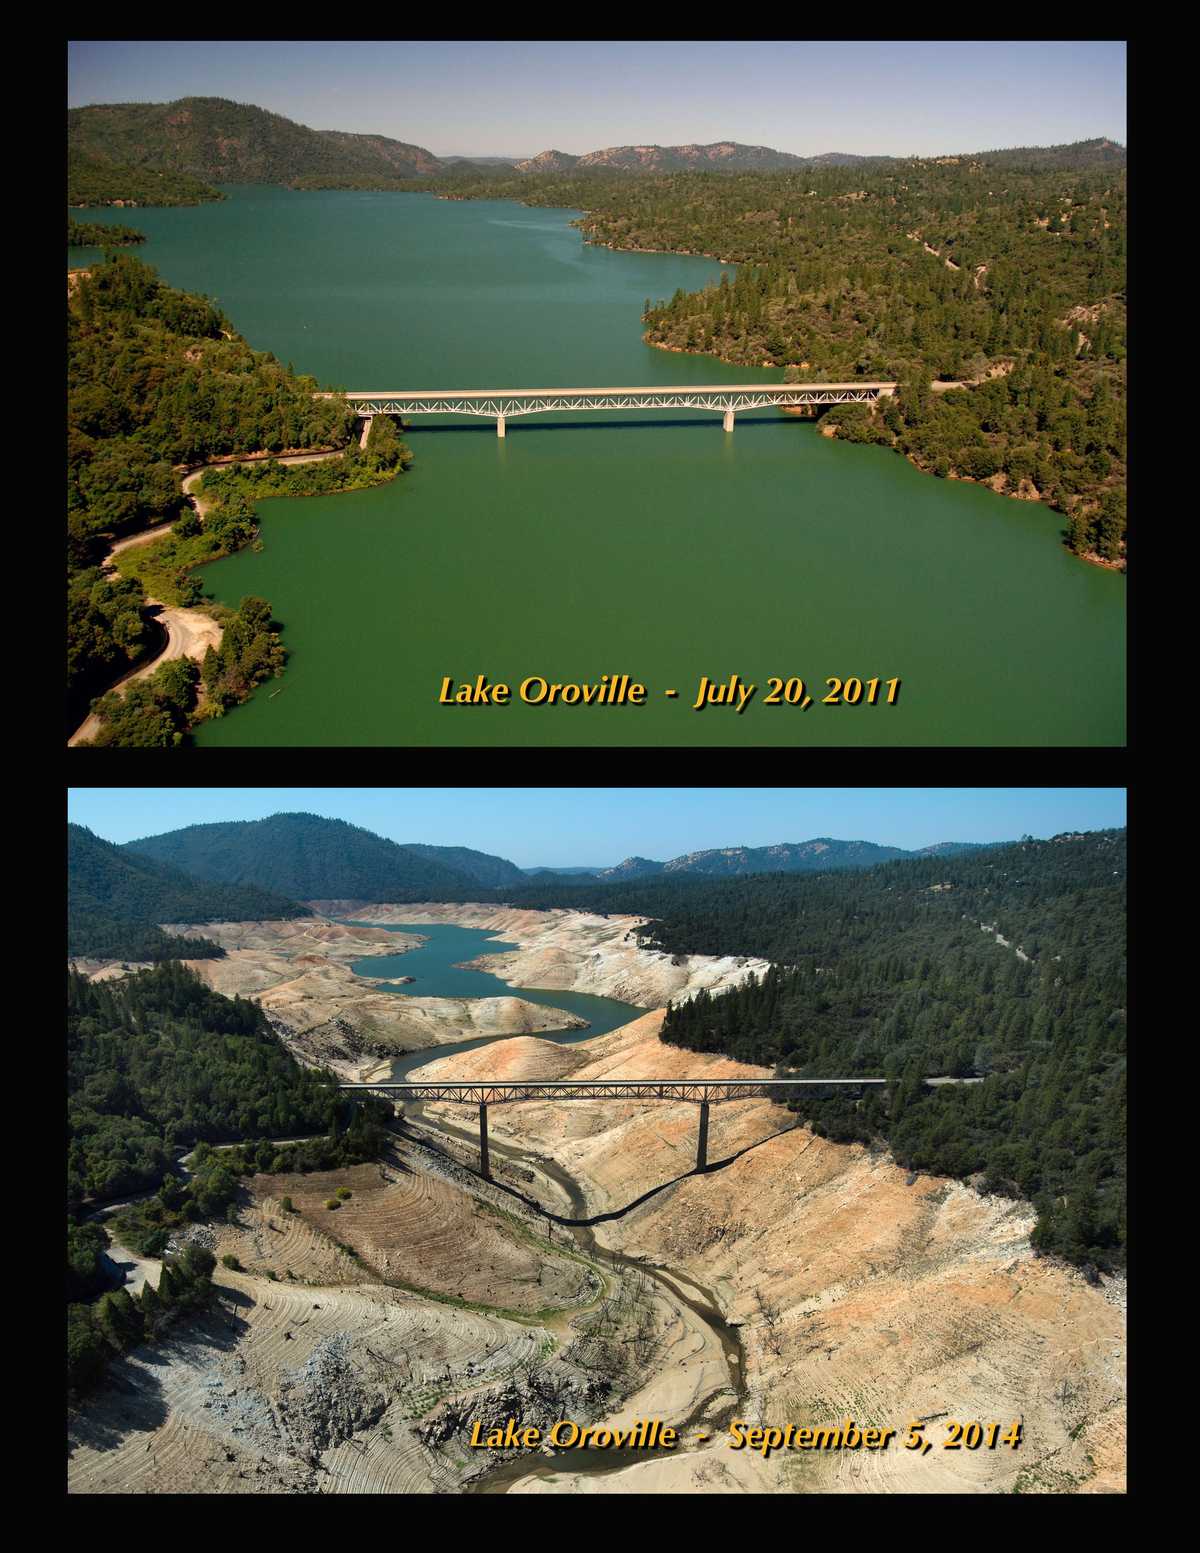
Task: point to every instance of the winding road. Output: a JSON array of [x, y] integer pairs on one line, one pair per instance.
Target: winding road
[[189, 632]]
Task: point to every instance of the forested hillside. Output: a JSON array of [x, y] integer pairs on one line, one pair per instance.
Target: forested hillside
[[101, 234], [1004, 271], [157, 378], [308, 858], [116, 900], [92, 180], [157, 1062], [1008, 965], [482, 866], [229, 142], [819, 855]]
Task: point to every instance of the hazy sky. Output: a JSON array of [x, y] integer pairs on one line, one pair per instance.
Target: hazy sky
[[599, 826], [518, 98]]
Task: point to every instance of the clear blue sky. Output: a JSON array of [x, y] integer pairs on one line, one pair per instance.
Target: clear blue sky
[[518, 98], [599, 826]]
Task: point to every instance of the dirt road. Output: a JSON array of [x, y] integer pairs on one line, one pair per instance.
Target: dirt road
[[190, 632]]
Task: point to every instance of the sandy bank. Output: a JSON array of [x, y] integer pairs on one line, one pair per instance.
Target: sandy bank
[[857, 1293], [579, 951]]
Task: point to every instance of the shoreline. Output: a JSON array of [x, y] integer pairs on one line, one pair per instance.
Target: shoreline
[[677, 350], [195, 629]]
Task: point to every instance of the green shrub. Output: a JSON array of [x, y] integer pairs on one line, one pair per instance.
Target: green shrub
[[332, 1202], [229, 1260], [344, 1193]]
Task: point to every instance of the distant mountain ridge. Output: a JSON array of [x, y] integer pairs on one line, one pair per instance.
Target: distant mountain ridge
[[220, 141], [819, 855], [480, 866], [309, 858], [306, 857], [722, 155], [117, 899]]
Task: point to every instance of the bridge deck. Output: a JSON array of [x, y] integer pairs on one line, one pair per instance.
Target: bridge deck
[[496, 1092], [580, 393]]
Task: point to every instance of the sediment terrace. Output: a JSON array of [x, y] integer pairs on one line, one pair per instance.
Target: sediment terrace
[[859, 1289], [575, 951], [355, 1344], [300, 973]]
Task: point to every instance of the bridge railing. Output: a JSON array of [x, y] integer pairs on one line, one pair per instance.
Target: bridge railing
[[700, 1091]]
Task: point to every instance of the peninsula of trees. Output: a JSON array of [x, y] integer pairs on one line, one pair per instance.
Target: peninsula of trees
[[157, 1063], [1002, 272], [159, 381], [94, 180], [98, 234]]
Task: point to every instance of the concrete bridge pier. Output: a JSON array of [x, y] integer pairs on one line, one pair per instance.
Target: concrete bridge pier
[[702, 1143], [484, 1169], [499, 425], [366, 431], [728, 420]]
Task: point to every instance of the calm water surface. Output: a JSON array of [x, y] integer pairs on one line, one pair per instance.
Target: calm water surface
[[437, 973], [652, 545]]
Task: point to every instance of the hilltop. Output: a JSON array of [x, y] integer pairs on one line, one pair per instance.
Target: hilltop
[[117, 900], [318, 859], [228, 142]]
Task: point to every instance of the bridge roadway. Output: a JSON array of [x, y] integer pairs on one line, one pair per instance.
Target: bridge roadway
[[704, 1092], [502, 403]]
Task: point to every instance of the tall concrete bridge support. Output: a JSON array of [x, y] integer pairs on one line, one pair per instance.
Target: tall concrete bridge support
[[500, 425], [703, 1092], [728, 420], [366, 431]]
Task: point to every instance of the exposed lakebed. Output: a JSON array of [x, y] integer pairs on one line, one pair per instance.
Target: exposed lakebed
[[438, 971]]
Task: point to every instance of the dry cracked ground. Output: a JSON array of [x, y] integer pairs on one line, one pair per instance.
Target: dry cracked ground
[[353, 1347]]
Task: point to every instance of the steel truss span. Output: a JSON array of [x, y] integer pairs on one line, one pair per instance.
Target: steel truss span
[[700, 1091], [495, 403]]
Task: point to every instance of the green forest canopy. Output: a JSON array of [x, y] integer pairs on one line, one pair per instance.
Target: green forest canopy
[[1024, 290], [116, 899], [1008, 965], [155, 1063]]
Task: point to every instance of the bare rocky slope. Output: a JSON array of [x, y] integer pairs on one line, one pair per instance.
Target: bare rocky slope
[[859, 1290], [578, 951], [300, 973]]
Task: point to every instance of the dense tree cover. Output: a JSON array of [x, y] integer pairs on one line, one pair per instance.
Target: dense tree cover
[[86, 1273], [156, 1061], [307, 857], [116, 898], [1008, 965], [107, 632], [1024, 290], [159, 711], [356, 1135], [231, 142], [163, 370], [156, 378], [151, 713], [98, 234], [119, 1321], [94, 181]]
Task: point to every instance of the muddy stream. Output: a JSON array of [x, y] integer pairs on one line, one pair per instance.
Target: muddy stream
[[572, 1463]]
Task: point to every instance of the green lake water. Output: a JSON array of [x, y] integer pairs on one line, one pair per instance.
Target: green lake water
[[649, 544], [437, 972]]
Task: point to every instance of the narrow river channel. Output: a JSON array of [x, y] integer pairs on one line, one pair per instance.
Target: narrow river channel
[[437, 971]]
